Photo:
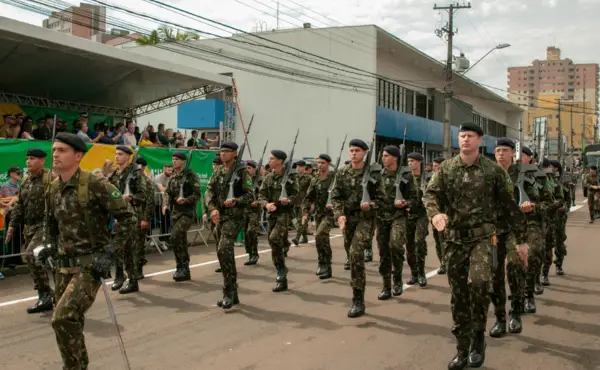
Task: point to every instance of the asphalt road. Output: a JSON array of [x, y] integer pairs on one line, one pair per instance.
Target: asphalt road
[[172, 325]]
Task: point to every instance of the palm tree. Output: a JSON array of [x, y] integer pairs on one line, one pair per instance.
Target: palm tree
[[166, 34]]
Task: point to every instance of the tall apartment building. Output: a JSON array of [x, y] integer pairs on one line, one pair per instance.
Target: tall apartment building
[[86, 21], [537, 88]]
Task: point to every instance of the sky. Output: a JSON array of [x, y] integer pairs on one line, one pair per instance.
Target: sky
[[529, 26]]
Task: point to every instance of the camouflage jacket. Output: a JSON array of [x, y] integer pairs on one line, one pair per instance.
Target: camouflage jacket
[[270, 190], [304, 182], [317, 194], [218, 188], [557, 191], [386, 196], [474, 196], [30, 206], [149, 204], [67, 219], [191, 193], [418, 209], [137, 188], [541, 195], [346, 194], [591, 180]]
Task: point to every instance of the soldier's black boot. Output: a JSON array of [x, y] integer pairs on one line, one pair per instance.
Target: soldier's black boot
[[559, 270], [459, 362], [140, 272], [421, 275], [178, 273], [295, 241], [304, 239], [131, 287], [119, 278], [347, 264], [477, 352], [218, 269], [327, 273], [545, 280], [281, 281], [530, 305], [538, 289], [397, 288], [515, 325], [368, 255], [386, 291], [358, 304], [413, 278], [442, 269], [499, 328], [182, 273], [44, 302]]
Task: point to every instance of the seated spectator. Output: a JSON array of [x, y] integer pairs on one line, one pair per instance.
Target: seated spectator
[[27, 128], [145, 139], [82, 133]]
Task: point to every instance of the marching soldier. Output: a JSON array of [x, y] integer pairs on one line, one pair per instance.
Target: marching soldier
[[593, 187], [228, 215], [418, 227], [213, 228], [304, 180], [355, 218], [279, 211], [29, 208], [391, 222], [316, 200], [182, 194], [252, 219], [553, 226], [561, 233], [470, 189], [145, 228], [440, 248], [130, 183], [85, 252]]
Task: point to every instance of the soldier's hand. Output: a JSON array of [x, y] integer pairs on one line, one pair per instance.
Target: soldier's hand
[[102, 265], [523, 253], [329, 206], [214, 216], [230, 203], [180, 200], [342, 222], [284, 201], [364, 206], [304, 218], [9, 233], [271, 207], [312, 208], [144, 224], [439, 221], [400, 204], [204, 217], [127, 197], [527, 207], [253, 204], [164, 210]]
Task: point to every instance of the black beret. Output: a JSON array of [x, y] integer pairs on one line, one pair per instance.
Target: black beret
[[36, 153], [347, 162], [180, 155], [392, 150], [229, 145], [504, 141], [217, 160], [593, 168], [301, 163], [416, 156], [124, 149], [251, 163], [525, 150], [325, 157], [470, 126], [358, 143], [545, 162], [555, 163], [141, 161], [72, 140], [279, 154], [439, 160], [308, 166]]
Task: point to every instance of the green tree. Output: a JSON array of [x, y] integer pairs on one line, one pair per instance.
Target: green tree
[[166, 34]]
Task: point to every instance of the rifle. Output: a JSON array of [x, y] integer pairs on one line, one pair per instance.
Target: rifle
[[523, 169], [233, 175], [47, 200], [366, 198], [287, 170], [257, 174], [337, 165], [185, 170], [401, 170]]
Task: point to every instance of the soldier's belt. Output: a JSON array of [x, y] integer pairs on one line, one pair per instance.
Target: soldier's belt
[[85, 260], [474, 232]]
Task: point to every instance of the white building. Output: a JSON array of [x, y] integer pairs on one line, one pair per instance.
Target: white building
[[360, 75]]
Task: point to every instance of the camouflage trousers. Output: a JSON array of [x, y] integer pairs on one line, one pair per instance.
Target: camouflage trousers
[[535, 239], [561, 249], [228, 230], [74, 293], [470, 279], [301, 227], [37, 272], [251, 227], [369, 246], [552, 237], [416, 244], [591, 202], [141, 251], [178, 240], [440, 247], [359, 233], [129, 255], [391, 237], [278, 237], [322, 238], [509, 267]]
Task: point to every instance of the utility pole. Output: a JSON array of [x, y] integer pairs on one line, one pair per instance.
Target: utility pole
[[572, 142], [583, 125], [449, 30], [559, 152], [278, 15]]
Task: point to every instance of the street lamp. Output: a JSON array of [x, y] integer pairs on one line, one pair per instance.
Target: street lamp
[[498, 47]]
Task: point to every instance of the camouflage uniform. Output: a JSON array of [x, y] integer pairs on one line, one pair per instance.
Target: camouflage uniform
[[470, 196], [269, 192], [231, 220], [182, 216], [144, 233], [358, 231], [416, 246], [553, 226], [29, 209], [392, 230], [591, 180], [82, 234], [561, 249], [131, 254], [317, 195], [251, 228], [304, 182]]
